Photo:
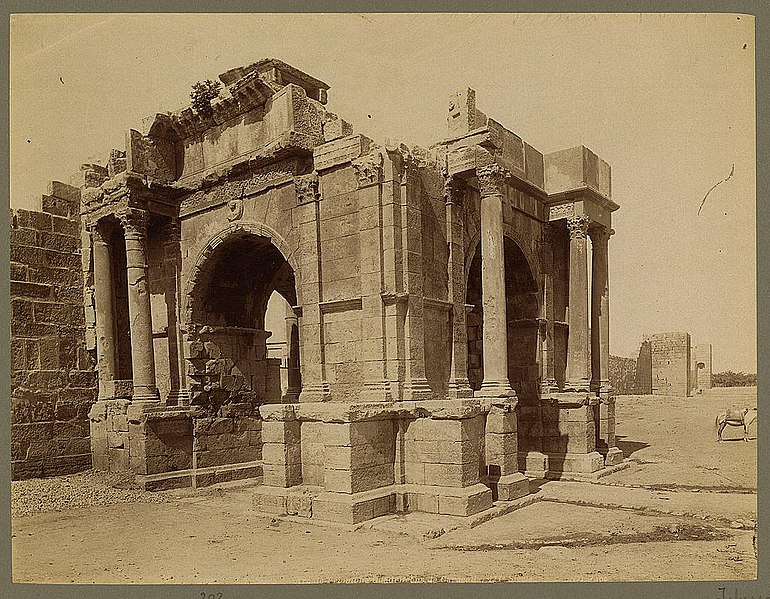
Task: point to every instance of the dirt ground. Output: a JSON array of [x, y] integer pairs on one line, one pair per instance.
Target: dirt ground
[[683, 510]]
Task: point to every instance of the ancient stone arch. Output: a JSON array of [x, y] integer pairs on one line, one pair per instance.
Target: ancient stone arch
[[372, 248]]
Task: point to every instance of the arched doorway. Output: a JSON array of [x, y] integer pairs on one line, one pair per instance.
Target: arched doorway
[[229, 366]]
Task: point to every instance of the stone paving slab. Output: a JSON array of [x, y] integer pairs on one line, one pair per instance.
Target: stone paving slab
[[724, 507]]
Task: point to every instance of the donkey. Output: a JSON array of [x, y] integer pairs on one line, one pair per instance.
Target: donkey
[[736, 417]]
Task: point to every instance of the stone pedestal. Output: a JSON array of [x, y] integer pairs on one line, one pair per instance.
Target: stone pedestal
[[569, 434], [502, 457]]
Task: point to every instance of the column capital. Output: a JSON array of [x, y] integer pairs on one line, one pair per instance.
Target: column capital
[[600, 233], [491, 179], [453, 190], [99, 230], [134, 222], [306, 187], [578, 226]]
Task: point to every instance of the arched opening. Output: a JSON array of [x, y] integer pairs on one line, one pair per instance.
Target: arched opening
[[229, 363], [522, 311]]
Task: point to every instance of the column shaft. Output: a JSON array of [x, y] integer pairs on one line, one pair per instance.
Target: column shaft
[[495, 333], [140, 316], [458, 386], [578, 368], [105, 330], [600, 303]]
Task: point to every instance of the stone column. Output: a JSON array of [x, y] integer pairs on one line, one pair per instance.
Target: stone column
[[495, 328], [294, 380], [548, 380], [458, 386], [600, 304], [177, 394], [312, 358], [411, 310], [578, 368], [140, 317], [103, 297]]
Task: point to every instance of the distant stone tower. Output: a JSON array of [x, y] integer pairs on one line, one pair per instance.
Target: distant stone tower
[[701, 366]]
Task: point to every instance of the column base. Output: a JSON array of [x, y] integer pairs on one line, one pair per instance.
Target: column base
[[549, 386], [614, 457], [317, 392], [495, 389], [376, 391], [145, 393], [291, 395], [578, 386], [459, 389], [417, 390]]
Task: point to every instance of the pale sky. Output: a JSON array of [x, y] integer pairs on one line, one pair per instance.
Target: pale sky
[[667, 100]]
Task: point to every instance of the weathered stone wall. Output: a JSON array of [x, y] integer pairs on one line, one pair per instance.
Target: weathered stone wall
[[664, 365], [622, 375], [53, 379], [701, 377]]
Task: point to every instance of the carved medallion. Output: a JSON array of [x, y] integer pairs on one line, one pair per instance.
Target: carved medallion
[[236, 209]]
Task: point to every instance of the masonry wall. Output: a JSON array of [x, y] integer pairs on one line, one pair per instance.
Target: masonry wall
[[671, 364], [702, 376], [623, 375], [53, 379]]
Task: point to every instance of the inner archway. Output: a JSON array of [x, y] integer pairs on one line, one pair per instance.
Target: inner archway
[[522, 310], [228, 357]]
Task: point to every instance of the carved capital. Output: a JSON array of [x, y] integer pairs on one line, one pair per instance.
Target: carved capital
[[578, 226], [307, 188], [454, 190], [491, 179], [368, 169], [134, 222], [599, 234], [100, 231], [236, 209]]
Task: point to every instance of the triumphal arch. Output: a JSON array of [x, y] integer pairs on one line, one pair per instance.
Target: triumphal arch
[[442, 343]]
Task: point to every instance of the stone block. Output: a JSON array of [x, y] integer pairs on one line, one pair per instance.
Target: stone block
[[414, 472], [268, 501], [451, 475], [465, 505], [118, 459], [299, 504], [287, 432], [278, 453], [501, 422], [512, 486]]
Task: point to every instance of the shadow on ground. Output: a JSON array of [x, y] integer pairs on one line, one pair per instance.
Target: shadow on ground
[[629, 447]]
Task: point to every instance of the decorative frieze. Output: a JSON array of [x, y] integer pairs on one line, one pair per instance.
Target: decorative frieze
[[561, 211]]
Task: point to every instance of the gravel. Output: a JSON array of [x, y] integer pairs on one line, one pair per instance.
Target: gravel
[[89, 488]]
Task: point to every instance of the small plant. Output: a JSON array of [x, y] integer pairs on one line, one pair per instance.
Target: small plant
[[203, 92]]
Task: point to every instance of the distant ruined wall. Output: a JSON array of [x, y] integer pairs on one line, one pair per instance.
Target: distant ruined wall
[[664, 365], [623, 375], [53, 379]]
